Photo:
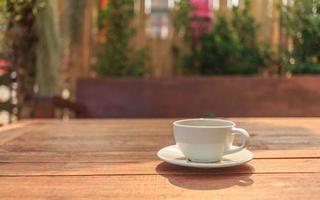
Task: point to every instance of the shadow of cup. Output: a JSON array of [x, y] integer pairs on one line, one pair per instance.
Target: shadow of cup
[[206, 179]]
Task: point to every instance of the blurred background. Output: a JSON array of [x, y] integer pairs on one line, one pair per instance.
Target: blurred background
[[158, 58]]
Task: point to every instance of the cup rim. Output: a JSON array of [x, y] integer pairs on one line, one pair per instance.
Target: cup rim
[[177, 123]]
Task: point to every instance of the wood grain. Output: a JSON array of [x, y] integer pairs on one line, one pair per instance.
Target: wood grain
[[256, 186], [15, 130], [116, 159], [156, 167], [151, 135], [132, 156]]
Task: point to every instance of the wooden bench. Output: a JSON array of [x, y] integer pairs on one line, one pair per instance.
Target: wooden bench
[[200, 96]]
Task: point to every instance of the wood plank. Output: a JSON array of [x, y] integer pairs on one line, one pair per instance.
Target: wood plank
[[256, 186], [151, 135], [20, 124], [132, 156], [12, 131], [295, 153], [156, 167]]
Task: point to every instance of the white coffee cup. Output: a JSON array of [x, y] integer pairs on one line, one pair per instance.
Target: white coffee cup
[[207, 140]]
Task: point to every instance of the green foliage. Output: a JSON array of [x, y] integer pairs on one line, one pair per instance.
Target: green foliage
[[103, 16], [232, 46], [219, 50], [301, 22], [20, 40], [208, 115], [16, 7], [3, 21], [183, 55], [181, 21], [115, 56]]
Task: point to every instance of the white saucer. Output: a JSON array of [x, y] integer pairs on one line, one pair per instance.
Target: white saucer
[[171, 154]]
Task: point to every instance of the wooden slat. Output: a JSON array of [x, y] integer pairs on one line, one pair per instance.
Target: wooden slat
[[256, 186], [132, 156], [155, 167], [151, 135], [293, 153]]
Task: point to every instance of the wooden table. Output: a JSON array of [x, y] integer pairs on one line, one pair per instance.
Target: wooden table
[[116, 159]]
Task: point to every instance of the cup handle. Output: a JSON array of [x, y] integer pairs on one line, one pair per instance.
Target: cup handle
[[244, 135]]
